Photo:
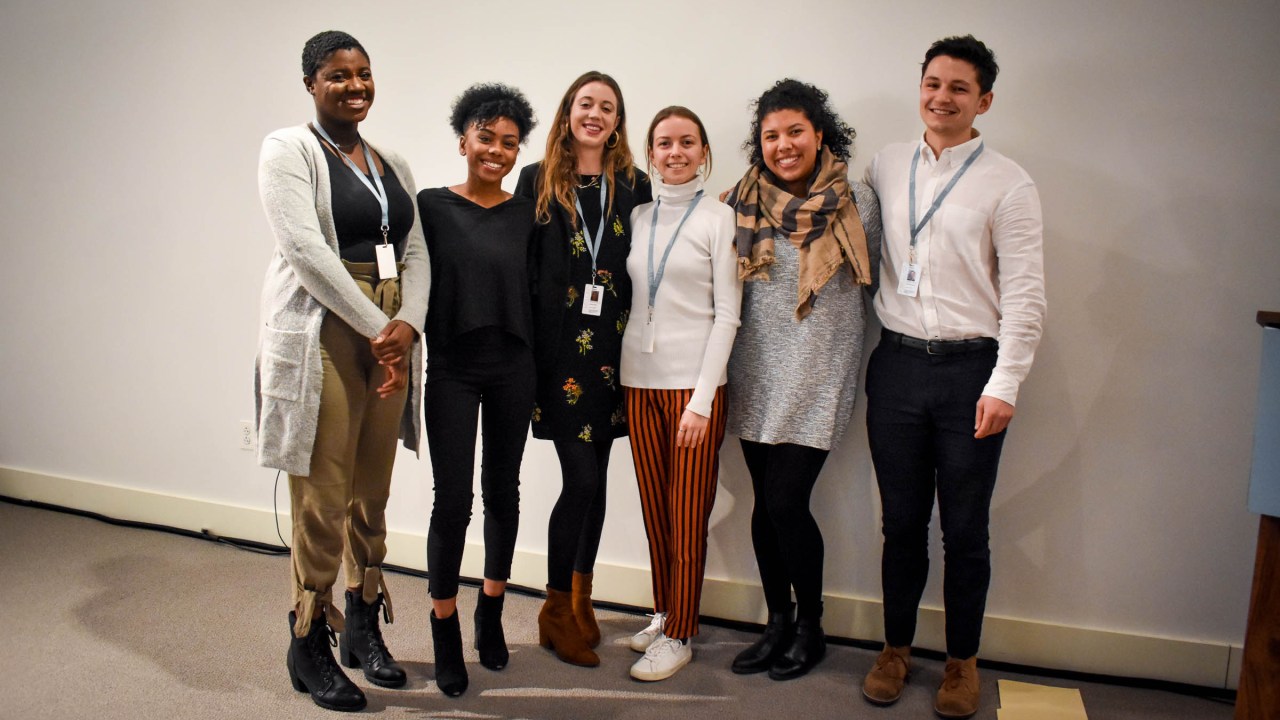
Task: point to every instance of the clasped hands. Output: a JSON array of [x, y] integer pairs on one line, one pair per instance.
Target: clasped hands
[[391, 348]]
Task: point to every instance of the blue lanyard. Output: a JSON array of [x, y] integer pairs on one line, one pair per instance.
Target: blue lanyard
[[656, 280], [937, 202], [594, 246], [378, 192]]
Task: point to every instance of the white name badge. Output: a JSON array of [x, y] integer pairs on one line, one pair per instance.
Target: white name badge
[[592, 299], [646, 336], [386, 261], [909, 279]]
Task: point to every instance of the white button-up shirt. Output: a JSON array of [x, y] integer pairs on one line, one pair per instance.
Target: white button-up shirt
[[980, 256]]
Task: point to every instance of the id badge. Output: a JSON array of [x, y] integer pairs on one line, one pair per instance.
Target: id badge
[[646, 335], [909, 279], [592, 299], [386, 261]]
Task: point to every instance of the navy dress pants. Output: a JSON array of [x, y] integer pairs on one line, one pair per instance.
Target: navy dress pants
[[920, 426]]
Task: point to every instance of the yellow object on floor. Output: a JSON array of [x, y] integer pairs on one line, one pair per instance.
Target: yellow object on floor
[[1026, 701]]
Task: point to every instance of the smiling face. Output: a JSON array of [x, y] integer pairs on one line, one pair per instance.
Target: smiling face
[[950, 99], [342, 88], [593, 116], [789, 146], [677, 150], [491, 149]]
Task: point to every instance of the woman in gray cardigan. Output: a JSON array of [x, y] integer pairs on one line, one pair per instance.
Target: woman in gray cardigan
[[339, 367]]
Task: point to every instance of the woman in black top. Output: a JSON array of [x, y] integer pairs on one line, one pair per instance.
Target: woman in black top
[[585, 188], [479, 353]]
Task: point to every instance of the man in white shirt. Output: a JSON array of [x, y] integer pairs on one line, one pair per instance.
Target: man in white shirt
[[962, 303]]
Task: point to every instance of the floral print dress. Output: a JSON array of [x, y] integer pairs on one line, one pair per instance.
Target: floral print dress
[[587, 403]]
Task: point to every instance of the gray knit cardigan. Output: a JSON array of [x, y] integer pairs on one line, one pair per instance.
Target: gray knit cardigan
[[306, 279]]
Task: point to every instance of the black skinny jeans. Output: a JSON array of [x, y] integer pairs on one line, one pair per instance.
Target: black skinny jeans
[[494, 370], [786, 537], [920, 417]]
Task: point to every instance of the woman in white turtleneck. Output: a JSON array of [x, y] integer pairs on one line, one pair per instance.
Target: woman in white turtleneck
[[684, 316]]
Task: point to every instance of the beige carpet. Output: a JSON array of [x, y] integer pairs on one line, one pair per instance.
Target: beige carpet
[[106, 622]]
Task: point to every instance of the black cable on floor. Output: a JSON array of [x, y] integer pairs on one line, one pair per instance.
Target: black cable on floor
[[275, 511]]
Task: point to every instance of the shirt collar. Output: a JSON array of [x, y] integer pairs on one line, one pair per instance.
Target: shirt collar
[[953, 156]]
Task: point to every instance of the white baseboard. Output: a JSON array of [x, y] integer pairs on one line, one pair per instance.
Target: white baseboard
[[1026, 642]]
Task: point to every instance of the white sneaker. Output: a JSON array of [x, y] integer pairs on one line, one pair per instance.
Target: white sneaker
[[663, 658], [641, 641]]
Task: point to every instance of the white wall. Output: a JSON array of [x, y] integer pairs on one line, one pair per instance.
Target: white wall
[[134, 247]]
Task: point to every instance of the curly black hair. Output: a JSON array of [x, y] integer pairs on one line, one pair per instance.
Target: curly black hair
[[971, 50], [485, 102], [322, 45], [789, 94]]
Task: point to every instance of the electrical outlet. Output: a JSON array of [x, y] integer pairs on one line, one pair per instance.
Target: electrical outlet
[[248, 436]]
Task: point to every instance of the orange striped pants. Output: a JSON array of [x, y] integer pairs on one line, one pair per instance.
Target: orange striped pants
[[677, 491]]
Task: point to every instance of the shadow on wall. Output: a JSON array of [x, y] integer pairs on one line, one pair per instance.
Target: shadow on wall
[[1037, 527]]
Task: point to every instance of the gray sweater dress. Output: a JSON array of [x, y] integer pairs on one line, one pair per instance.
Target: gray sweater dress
[[795, 381]]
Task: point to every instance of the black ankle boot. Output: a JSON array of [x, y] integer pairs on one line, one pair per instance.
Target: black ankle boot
[[490, 641], [312, 669], [361, 644], [761, 655], [446, 638], [807, 649]]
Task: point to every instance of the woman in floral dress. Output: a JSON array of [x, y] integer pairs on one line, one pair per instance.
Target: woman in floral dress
[[584, 188]]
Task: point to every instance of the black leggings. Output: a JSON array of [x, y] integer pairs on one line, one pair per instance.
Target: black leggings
[[493, 371], [786, 538], [577, 520]]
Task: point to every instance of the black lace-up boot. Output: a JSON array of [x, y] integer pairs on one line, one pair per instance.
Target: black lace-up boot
[[362, 645], [313, 670]]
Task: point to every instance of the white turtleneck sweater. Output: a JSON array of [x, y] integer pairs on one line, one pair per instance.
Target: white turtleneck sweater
[[696, 310]]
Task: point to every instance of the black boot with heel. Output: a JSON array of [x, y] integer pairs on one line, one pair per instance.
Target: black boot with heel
[[446, 639], [312, 668], [362, 646], [491, 643]]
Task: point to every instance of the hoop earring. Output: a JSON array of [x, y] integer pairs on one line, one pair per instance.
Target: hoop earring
[[615, 137]]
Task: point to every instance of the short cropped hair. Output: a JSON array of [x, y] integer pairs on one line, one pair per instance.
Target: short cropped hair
[[971, 50], [322, 45], [483, 103]]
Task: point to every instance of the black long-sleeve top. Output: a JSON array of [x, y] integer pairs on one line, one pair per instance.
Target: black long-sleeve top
[[479, 266]]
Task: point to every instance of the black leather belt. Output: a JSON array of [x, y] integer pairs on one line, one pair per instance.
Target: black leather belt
[[938, 347]]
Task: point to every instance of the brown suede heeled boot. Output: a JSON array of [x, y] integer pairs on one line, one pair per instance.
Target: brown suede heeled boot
[[583, 612], [958, 696], [558, 630]]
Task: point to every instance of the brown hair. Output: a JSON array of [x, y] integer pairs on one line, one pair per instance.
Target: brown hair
[[681, 112], [559, 172]]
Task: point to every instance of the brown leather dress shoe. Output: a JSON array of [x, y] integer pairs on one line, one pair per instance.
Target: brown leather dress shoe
[[883, 685], [958, 696]]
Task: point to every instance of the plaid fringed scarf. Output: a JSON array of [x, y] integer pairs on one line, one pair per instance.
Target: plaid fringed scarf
[[824, 227]]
